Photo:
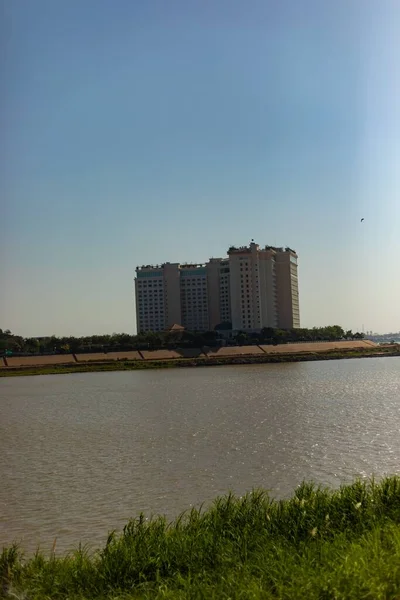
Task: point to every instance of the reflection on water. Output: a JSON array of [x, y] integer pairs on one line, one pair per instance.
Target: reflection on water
[[81, 454]]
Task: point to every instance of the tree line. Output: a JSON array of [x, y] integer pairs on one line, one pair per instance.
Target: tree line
[[15, 344]]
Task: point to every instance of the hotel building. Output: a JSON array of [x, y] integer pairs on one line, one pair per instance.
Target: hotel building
[[252, 288]]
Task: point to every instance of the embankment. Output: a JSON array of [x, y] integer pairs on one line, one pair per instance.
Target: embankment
[[192, 357]]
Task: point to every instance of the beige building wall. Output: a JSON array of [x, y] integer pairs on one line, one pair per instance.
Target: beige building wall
[[157, 294], [253, 288], [268, 293], [287, 289], [238, 306], [172, 296], [218, 289], [225, 292], [150, 299], [214, 308], [194, 297], [252, 285]]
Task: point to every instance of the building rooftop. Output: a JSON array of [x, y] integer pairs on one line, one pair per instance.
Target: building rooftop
[[192, 266], [231, 250], [253, 246], [176, 327], [142, 267]]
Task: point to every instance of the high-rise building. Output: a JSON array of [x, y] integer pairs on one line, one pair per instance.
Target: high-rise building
[[252, 288], [150, 292], [195, 296], [218, 289], [287, 287]]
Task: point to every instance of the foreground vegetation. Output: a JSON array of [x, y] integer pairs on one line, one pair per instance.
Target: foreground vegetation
[[319, 544], [135, 365], [15, 344]]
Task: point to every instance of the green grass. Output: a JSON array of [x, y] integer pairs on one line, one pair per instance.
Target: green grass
[[134, 365], [320, 544]]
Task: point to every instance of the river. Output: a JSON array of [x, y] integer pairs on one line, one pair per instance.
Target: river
[[80, 454]]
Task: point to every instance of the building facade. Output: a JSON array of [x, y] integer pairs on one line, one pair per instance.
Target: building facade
[[287, 288], [194, 298], [252, 288]]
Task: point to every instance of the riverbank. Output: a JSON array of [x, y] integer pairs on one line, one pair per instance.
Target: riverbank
[[203, 360], [342, 544]]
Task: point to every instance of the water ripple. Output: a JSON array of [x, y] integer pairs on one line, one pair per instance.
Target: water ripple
[[81, 454]]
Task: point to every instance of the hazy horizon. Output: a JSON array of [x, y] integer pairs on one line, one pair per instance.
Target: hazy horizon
[[140, 133]]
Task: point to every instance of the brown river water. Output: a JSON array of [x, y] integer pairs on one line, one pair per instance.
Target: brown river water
[[80, 454]]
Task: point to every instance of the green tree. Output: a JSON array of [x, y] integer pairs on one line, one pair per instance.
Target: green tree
[[32, 345], [281, 336], [242, 338], [268, 334], [225, 326]]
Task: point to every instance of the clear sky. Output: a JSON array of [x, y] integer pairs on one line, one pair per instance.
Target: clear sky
[[146, 131]]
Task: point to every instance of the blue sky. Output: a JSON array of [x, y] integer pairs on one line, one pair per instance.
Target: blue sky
[[140, 132]]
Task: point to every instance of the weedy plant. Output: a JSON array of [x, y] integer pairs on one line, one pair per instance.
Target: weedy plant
[[320, 544]]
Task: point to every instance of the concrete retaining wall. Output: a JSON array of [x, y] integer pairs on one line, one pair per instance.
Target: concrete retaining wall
[[317, 347], [171, 354], [35, 361], [107, 356], [124, 355], [190, 352], [160, 354], [234, 351], [90, 357], [226, 352]]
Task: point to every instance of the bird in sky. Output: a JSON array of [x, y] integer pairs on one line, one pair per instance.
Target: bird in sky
[[362, 219]]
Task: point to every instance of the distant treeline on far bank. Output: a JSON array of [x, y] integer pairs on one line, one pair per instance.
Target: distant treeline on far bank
[[11, 344]]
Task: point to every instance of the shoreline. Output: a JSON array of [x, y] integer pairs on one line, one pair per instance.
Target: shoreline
[[209, 361], [341, 543]]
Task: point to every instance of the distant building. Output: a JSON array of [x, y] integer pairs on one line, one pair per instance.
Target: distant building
[[194, 297], [287, 288], [218, 292], [252, 288]]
